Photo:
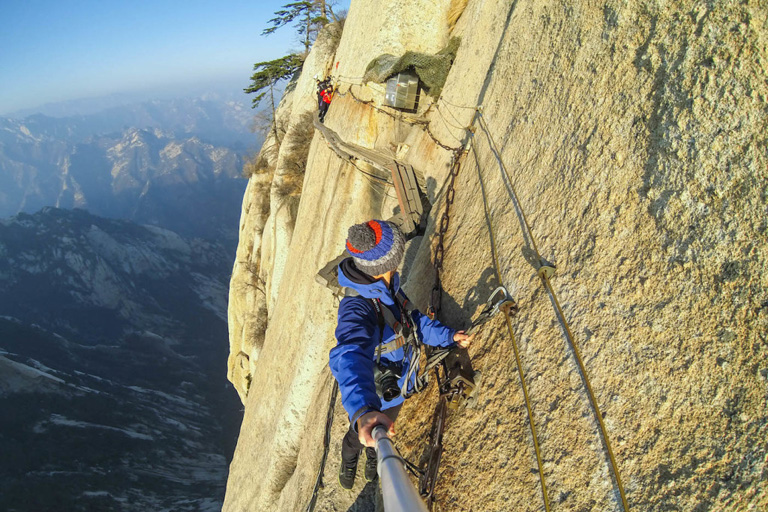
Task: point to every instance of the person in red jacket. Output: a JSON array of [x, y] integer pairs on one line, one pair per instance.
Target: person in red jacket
[[324, 97]]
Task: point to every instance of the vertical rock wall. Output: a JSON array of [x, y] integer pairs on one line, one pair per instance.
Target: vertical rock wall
[[635, 141], [268, 216], [633, 137]]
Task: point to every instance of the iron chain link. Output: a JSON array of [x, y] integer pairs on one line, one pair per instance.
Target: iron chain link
[[436, 295]]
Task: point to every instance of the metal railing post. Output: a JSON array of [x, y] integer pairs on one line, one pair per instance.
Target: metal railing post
[[398, 492]]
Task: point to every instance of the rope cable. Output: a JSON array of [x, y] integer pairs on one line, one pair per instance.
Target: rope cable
[[371, 175], [494, 253], [326, 446], [373, 179], [345, 78], [569, 335], [426, 124], [527, 232], [518, 206], [442, 98], [453, 116], [449, 123]]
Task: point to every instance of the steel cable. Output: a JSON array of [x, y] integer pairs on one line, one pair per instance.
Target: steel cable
[[494, 253], [442, 98], [439, 253], [326, 446], [541, 271], [446, 121], [425, 123]]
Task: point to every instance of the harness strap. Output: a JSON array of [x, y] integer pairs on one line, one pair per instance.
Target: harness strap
[[386, 316], [402, 332], [386, 348], [381, 321]]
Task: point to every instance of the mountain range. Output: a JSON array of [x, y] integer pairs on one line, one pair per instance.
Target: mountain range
[[174, 164], [112, 381]]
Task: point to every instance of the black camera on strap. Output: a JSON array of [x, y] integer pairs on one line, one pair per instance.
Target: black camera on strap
[[386, 374]]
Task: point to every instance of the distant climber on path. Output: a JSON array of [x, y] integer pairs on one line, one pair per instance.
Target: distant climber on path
[[369, 361], [324, 96]]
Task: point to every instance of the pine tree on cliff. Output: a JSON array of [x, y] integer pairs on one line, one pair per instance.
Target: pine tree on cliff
[[307, 16], [266, 75]]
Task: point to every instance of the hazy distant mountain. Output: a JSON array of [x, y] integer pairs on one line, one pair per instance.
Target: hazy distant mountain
[[113, 346], [175, 164], [219, 118]]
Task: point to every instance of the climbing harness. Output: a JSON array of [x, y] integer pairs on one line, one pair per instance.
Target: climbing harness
[[402, 331], [458, 380], [405, 338]]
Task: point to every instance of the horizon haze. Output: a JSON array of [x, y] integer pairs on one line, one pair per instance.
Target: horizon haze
[[57, 52]]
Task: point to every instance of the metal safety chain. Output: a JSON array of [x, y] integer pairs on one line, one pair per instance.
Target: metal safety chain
[[425, 124], [428, 478], [436, 296], [429, 475]]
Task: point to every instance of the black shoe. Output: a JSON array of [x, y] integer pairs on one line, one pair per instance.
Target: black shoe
[[370, 465], [347, 472]]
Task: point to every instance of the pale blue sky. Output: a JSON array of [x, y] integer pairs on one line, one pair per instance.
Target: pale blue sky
[[55, 50]]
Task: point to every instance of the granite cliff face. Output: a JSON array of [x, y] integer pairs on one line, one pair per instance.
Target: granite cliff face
[[632, 135]]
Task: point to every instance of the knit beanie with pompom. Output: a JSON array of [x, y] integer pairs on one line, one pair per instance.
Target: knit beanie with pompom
[[377, 246]]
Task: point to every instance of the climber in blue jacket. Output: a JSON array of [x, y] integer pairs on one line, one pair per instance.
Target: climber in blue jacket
[[376, 249]]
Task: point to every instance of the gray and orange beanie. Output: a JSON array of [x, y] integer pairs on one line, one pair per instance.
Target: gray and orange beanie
[[377, 246]]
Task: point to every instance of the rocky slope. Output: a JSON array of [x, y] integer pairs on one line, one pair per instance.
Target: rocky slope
[[111, 343], [632, 136]]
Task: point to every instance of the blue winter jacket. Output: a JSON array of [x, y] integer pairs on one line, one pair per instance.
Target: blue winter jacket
[[353, 358]]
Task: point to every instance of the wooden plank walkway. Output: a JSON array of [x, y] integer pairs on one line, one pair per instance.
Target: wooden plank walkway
[[402, 176], [346, 151]]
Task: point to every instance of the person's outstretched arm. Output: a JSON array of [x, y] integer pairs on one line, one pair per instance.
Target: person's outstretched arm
[[436, 334], [351, 360]]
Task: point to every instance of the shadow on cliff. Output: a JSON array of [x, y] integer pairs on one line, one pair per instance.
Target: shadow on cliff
[[460, 313], [366, 500]]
